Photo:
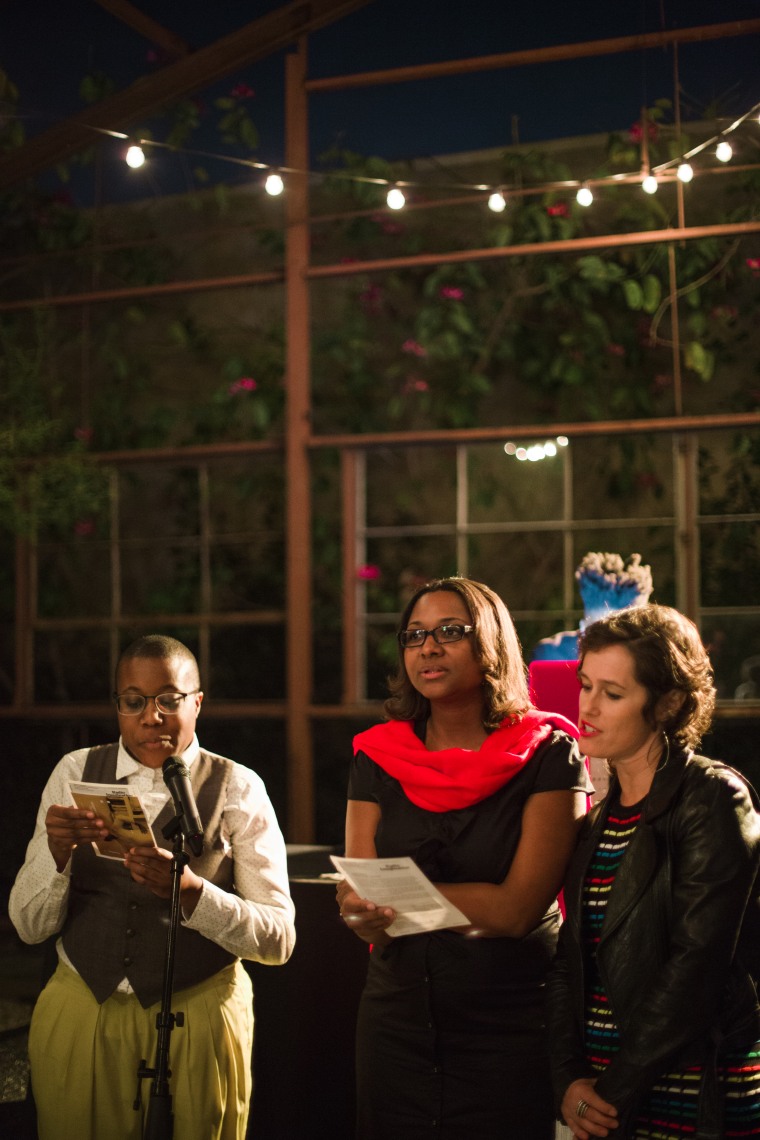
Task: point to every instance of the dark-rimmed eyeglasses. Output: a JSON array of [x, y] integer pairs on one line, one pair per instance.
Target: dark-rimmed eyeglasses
[[132, 704], [442, 635]]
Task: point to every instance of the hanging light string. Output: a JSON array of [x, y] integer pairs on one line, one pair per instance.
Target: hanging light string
[[496, 195], [716, 139]]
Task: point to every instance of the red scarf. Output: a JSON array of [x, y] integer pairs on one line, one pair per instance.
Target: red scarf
[[457, 777]]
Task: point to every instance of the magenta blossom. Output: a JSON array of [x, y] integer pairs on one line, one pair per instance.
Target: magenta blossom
[[83, 434], [753, 263], [413, 348], [83, 528], [368, 573], [615, 349], [415, 384], [636, 132], [242, 91], [451, 293], [558, 210], [244, 385], [371, 298]]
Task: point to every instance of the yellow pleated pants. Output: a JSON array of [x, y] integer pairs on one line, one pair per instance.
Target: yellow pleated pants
[[85, 1056]]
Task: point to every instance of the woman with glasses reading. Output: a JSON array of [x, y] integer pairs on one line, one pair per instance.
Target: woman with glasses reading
[[485, 794]]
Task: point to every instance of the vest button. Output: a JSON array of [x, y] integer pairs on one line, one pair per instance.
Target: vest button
[[130, 933], [127, 961]]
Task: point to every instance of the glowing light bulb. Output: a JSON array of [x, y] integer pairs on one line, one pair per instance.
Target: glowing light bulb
[[649, 184], [135, 156], [521, 453], [274, 184], [395, 198], [685, 172], [510, 448], [584, 197], [562, 441], [723, 151], [497, 202], [550, 448]]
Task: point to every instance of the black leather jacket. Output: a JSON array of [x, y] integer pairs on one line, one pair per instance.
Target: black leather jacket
[[679, 953]]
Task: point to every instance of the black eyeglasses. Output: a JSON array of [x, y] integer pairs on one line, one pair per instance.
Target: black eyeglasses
[[132, 704], [442, 635]]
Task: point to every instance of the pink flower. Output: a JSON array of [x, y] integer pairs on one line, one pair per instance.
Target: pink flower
[[725, 313], [371, 298], [415, 384], [451, 293], [413, 348], [388, 225], [662, 380], [753, 263], [368, 572], [636, 132], [615, 349], [558, 210], [83, 528], [244, 385], [83, 434], [242, 91]]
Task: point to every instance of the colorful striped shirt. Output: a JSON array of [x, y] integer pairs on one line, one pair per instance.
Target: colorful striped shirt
[[670, 1110]]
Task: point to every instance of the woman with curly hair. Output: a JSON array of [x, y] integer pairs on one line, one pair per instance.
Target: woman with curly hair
[[486, 794], [653, 1012]]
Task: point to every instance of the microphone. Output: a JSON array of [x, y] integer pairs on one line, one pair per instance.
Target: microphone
[[177, 779]]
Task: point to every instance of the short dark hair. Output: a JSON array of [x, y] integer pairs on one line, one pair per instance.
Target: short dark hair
[[163, 648], [668, 657], [497, 651]]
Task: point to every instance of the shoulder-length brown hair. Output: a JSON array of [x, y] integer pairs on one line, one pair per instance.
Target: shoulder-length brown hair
[[497, 651], [668, 657]]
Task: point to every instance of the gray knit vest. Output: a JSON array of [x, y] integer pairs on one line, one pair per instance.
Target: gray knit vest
[[116, 928]]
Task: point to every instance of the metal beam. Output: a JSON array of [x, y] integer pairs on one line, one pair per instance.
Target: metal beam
[[378, 265], [262, 37], [145, 26], [533, 56]]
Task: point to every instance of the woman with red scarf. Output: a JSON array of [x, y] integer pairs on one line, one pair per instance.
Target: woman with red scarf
[[485, 793]]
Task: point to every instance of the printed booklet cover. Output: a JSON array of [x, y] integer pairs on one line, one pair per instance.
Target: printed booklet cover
[[122, 813]]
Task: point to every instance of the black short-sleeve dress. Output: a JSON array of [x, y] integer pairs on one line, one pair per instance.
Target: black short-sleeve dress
[[450, 1028]]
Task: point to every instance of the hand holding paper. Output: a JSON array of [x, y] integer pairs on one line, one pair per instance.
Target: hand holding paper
[[400, 884]]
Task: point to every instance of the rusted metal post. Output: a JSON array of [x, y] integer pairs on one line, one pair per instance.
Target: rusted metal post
[[299, 669]]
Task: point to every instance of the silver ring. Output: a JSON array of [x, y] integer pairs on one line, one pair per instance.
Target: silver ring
[[582, 1108]]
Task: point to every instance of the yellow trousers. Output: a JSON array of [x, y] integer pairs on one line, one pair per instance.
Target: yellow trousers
[[85, 1056]]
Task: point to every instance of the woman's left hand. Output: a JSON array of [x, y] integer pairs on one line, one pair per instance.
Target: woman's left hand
[[585, 1113]]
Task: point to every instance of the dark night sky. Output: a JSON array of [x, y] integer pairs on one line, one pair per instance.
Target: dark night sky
[[47, 46]]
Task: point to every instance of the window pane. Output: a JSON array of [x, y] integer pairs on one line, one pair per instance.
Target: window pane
[[411, 486], [72, 666], [506, 489], [630, 476]]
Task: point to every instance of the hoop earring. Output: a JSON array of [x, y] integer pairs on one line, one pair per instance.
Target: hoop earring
[[666, 751]]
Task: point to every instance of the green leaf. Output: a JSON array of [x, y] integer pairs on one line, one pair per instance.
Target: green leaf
[[651, 293], [634, 297]]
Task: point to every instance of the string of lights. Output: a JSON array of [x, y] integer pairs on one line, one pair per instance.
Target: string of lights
[[496, 196]]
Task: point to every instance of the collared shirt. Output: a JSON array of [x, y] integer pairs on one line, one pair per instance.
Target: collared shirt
[[257, 922]]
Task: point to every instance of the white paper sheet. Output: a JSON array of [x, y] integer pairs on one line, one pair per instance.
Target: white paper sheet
[[399, 883]]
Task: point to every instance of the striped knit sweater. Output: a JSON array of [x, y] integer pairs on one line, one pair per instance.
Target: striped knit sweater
[[669, 1112]]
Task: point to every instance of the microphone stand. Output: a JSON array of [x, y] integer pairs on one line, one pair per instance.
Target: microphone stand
[[159, 1119]]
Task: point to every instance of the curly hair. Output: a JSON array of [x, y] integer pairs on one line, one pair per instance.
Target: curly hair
[[158, 646], [668, 657], [496, 648]]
